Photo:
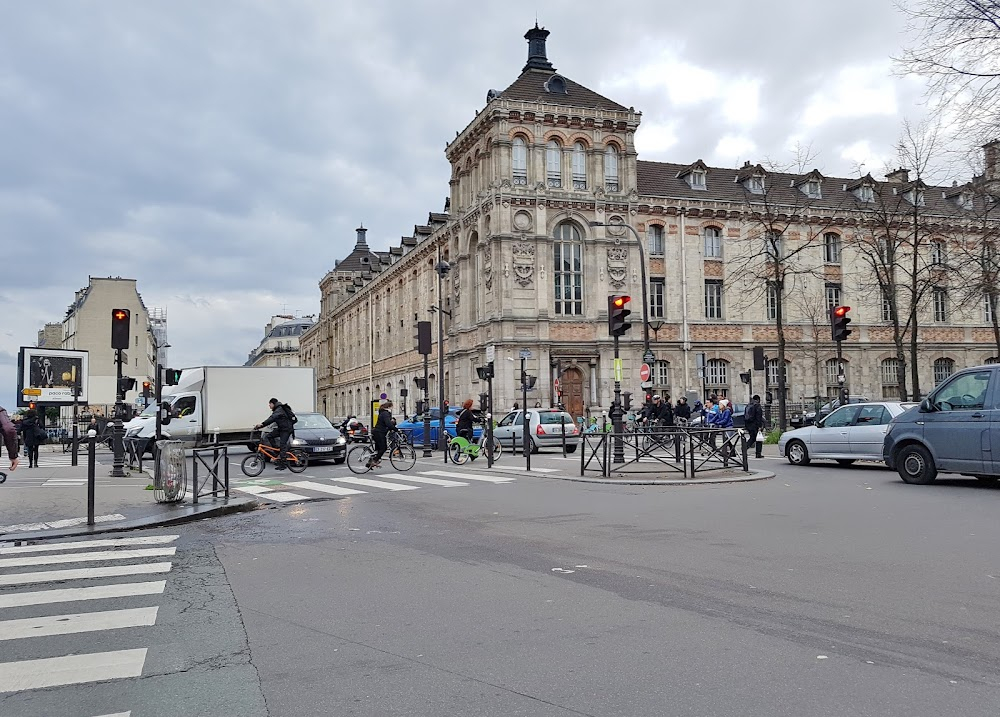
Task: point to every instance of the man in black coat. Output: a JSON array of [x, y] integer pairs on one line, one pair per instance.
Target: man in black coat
[[283, 429], [754, 420]]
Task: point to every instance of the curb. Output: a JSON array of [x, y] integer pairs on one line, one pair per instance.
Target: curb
[[156, 521], [753, 476]]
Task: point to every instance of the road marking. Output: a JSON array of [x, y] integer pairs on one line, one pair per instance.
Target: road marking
[[71, 670], [323, 488], [253, 489], [111, 542], [467, 476], [87, 557], [76, 622], [533, 470], [118, 714], [428, 481], [375, 483], [111, 571], [99, 592], [67, 523], [57, 482], [282, 496]]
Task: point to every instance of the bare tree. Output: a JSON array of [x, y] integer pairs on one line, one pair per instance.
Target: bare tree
[[976, 253], [816, 342]]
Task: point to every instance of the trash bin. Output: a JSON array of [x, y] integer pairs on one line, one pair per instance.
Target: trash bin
[[170, 481]]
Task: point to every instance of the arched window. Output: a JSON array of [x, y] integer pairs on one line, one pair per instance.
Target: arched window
[[890, 378], [519, 161], [579, 166], [831, 248], [832, 372], [713, 242], [611, 168], [567, 270], [943, 368], [553, 164], [717, 376]]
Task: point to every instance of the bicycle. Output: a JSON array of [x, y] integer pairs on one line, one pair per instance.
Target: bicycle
[[462, 450], [400, 452], [253, 465]]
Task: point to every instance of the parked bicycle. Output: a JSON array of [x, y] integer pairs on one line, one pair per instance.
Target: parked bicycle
[[462, 450], [253, 465], [400, 452]]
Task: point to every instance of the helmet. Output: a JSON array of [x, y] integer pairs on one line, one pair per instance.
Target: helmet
[[656, 397]]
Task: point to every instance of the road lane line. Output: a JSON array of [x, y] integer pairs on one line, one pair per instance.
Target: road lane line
[[108, 543], [112, 571], [533, 470], [375, 483], [468, 476], [87, 557], [428, 481], [70, 670], [98, 592], [77, 622], [323, 488]]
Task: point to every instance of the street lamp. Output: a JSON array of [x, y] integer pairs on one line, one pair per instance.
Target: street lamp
[[442, 268], [645, 288]]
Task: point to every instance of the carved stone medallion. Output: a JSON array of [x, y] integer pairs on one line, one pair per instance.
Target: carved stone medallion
[[488, 267], [617, 265], [523, 254], [522, 221]]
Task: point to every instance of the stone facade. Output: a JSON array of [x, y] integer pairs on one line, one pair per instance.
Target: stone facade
[[280, 345], [540, 179]]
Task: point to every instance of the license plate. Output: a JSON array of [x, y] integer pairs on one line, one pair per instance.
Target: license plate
[[322, 449]]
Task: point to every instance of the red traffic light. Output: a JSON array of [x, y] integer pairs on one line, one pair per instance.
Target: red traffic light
[[31, 405], [145, 385], [620, 301], [841, 310]]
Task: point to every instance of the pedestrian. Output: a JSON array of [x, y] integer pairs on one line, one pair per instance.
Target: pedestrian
[[682, 412], [465, 417], [33, 435], [753, 419], [724, 420], [9, 432], [380, 433], [283, 420]]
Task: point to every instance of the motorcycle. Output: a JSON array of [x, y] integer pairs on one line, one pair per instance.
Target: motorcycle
[[354, 431]]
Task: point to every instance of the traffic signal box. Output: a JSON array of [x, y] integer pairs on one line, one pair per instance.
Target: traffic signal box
[[618, 313], [120, 320], [839, 321], [171, 376]]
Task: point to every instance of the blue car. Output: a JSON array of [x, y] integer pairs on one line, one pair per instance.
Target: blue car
[[414, 426]]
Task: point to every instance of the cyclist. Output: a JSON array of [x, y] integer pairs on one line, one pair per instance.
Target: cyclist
[[282, 420], [380, 432], [465, 416]]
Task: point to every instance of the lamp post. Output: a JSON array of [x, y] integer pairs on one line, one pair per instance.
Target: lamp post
[[645, 288], [655, 325], [442, 268]]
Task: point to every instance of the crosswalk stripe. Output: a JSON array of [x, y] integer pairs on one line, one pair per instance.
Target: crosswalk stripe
[[111, 571], [118, 714], [76, 622], [98, 592], [428, 481], [253, 489], [512, 469], [111, 542], [323, 488], [87, 557], [468, 476], [71, 670], [375, 483], [284, 496]]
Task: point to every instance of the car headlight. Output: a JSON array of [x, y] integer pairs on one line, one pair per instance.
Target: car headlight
[[341, 440], [297, 442], [134, 431]]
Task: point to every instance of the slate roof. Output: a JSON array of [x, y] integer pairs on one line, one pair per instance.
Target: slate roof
[[353, 261], [530, 87]]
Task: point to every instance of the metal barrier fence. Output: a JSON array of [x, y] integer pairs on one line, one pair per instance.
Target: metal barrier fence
[[220, 484], [686, 451]]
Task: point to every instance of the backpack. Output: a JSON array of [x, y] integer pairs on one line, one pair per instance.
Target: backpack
[[41, 436], [290, 413]]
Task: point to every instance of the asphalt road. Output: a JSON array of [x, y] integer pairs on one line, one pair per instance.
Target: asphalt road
[[822, 591]]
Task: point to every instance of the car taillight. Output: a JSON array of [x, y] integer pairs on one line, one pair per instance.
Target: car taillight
[[575, 430], [539, 431]]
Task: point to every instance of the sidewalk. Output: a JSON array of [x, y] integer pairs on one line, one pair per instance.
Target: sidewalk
[[51, 501]]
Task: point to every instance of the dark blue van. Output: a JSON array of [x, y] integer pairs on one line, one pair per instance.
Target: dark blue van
[[956, 429]]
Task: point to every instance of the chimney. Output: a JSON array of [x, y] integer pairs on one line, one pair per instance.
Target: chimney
[[362, 244], [991, 155], [900, 176], [536, 50]]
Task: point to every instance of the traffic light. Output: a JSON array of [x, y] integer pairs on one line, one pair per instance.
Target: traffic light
[[649, 398], [745, 377], [146, 386], [171, 376], [120, 319], [31, 405], [839, 321], [125, 384], [423, 337], [618, 312], [421, 383], [485, 372], [627, 400]]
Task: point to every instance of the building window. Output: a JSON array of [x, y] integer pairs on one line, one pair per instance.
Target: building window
[[772, 373], [943, 368], [882, 248], [886, 306], [553, 164], [866, 193], [655, 234], [832, 373], [657, 291], [771, 302], [611, 168], [579, 166], [713, 299], [832, 295], [940, 304], [756, 184], [937, 253], [713, 242], [774, 246], [661, 374], [992, 360], [717, 376], [813, 189], [988, 306], [519, 161], [697, 179], [568, 270], [890, 378], [831, 248]]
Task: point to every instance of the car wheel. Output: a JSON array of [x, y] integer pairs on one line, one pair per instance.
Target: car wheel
[[340, 461], [846, 461], [797, 454], [915, 465], [534, 446], [571, 449]]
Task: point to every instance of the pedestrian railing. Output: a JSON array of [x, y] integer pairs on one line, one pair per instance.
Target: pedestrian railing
[[215, 479], [671, 449]]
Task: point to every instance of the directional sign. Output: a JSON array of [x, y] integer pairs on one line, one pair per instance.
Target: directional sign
[[31, 392], [491, 353], [618, 369], [644, 372], [648, 357], [525, 354]]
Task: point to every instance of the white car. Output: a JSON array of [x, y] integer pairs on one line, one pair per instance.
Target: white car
[[545, 429], [854, 432]]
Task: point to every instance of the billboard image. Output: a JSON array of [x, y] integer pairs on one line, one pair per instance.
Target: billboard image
[[49, 375]]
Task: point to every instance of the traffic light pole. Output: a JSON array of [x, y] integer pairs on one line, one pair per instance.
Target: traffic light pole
[[427, 412], [525, 438], [118, 430], [616, 415], [841, 375], [489, 419]]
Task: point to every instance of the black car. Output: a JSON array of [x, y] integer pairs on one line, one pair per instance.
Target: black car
[[315, 435]]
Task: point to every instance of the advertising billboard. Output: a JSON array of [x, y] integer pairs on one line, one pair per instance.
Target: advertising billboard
[[48, 376]]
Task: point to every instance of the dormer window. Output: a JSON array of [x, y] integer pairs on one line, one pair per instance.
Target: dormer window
[[813, 189], [965, 200], [915, 197], [756, 184], [697, 179], [555, 85], [866, 193]]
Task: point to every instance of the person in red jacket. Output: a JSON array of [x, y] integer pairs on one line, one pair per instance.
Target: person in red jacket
[[9, 432]]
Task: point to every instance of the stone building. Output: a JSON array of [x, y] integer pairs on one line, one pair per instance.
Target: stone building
[[545, 193], [280, 345]]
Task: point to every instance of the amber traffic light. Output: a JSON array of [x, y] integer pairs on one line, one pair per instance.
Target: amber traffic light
[[618, 313], [120, 319]]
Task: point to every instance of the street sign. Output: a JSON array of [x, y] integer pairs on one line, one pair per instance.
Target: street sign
[[618, 369], [646, 384], [32, 392], [491, 353], [525, 354], [644, 372], [648, 357], [555, 384]]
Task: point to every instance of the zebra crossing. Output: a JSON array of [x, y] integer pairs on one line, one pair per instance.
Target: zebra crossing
[[59, 459], [48, 590], [292, 490]]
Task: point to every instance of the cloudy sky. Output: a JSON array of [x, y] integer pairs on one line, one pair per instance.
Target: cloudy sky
[[222, 153]]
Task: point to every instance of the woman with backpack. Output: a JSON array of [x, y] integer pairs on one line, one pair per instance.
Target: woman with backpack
[[33, 435]]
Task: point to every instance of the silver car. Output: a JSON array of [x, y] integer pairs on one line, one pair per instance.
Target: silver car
[[854, 432], [545, 428]]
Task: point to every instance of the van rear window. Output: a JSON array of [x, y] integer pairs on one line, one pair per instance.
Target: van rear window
[[554, 417]]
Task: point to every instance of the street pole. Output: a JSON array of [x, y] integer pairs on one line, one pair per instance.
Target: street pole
[[76, 417], [427, 412], [489, 418], [616, 414], [118, 433], [442, 268], [645, 287], [841, 375], [525, 438]]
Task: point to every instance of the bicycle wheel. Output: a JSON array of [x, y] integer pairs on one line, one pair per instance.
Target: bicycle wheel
[[496, 449], [402, 456], [457, 455], [252, 465], [299, 462], [358, 458]]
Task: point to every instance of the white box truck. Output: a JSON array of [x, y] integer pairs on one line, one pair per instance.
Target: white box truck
[[221, 404]]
